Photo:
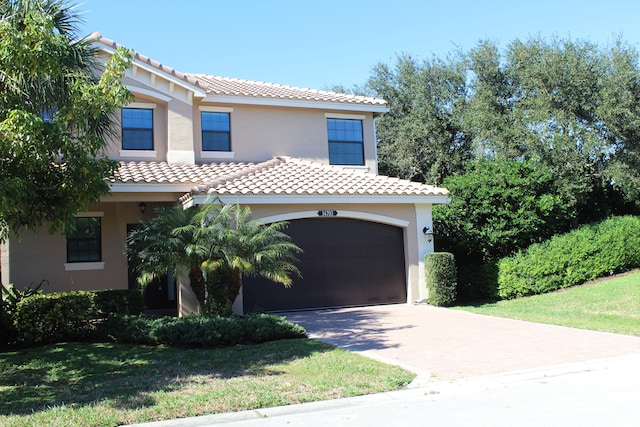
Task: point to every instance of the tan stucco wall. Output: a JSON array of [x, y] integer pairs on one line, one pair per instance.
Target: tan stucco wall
[[35, 256], [160, 115], [260, 133], [38, 256]]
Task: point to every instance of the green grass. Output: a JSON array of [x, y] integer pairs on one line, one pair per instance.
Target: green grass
[[80, 384], [610, 305]]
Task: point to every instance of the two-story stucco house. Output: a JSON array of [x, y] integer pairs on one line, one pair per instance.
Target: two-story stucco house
[[300, 155]]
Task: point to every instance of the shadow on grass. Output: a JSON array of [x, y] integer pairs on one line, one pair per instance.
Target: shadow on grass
[[77, 374]]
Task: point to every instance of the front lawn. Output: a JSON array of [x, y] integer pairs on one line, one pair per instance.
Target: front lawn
[[610, 305], [80, 384]]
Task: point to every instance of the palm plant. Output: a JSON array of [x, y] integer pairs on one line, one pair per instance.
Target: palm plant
[[223, 240], [168, 242], [243, 246]]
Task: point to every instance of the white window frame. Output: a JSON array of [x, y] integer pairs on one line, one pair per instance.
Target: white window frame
[[141, 153], [86, 266], [226, 155]]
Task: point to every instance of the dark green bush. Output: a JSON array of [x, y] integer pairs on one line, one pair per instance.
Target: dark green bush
[[592, 251], [66, 316], [440, 277], [197, 331], [8, 332], [118, 301], [476, 281], [54, 317]]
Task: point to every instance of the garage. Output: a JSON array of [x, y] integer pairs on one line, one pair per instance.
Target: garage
[[346, 262]]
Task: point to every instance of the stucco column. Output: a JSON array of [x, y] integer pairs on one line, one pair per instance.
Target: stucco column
[[238, 304], [423, 219], [4, 262], [180, 142], [187, 300]]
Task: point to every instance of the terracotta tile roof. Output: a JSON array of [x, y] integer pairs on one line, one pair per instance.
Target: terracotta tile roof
[[279, 176], [97, 37], [215, 85], [165, 173]]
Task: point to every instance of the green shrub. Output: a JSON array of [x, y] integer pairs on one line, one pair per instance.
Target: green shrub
[[197, 331], [54, 317], [476, 281], [8, 333], [10, 296], [592, 251], [440, 277], [118, 301], [126, 330], [68, 316]]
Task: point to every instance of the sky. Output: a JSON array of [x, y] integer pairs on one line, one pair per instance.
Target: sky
[[321, 44]]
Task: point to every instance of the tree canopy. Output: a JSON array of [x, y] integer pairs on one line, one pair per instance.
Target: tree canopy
[[56, 109], [569, 105], [531, 140]]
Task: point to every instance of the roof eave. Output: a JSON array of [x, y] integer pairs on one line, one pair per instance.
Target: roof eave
[[197, 91], [299, 103], [271, 199], [149, 187]]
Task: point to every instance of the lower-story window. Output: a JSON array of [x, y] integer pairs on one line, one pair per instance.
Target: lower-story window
[[84, 240]]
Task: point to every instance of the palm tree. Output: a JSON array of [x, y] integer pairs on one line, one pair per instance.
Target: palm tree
[[244, 246], [223, 240], [169, 242]]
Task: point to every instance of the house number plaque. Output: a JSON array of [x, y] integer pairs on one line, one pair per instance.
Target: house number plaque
[[327, 212]]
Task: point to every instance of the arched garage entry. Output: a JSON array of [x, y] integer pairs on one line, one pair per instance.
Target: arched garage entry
[[346, 262]]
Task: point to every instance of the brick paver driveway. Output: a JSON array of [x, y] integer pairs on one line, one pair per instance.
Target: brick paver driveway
[[449, 344]]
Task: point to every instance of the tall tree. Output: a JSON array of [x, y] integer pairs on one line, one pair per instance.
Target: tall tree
[[620, 110], [421, 138], [55, 114], [569, 105]]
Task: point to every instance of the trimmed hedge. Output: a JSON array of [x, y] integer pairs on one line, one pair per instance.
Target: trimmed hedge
[[54, 317], [440, 278], [70, 316], [118, 301], [197, 331], [104, 316], [592, 251]]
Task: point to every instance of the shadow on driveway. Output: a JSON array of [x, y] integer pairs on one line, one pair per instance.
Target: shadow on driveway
[[450, 344]]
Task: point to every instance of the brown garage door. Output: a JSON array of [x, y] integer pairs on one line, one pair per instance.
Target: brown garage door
[[346, 262]]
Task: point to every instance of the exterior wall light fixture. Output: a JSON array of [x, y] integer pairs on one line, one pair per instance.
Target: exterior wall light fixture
[[428, 231], [142, 206]]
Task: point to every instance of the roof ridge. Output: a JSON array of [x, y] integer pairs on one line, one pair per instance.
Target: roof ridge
[[212, 84], [283, 86]]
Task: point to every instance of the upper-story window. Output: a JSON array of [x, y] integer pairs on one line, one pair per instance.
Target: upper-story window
[[48, 114], [137, 129], [216, 131], [84, 241], [346, 145]]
